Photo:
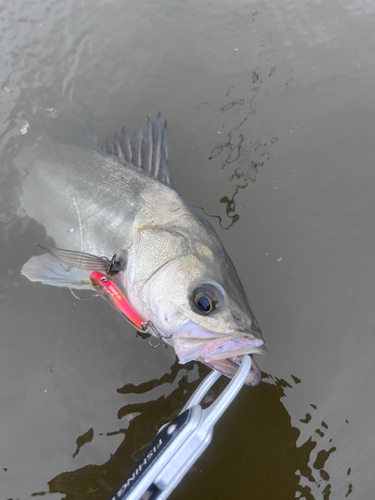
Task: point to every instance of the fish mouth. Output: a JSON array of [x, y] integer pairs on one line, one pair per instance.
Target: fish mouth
[[230, 366], [222, 352], [217, 348], [239, 345]]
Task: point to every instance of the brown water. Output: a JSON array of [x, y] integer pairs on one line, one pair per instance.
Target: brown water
[[271, 113]]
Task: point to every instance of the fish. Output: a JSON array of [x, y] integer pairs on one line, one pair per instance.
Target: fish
[[112, 209]]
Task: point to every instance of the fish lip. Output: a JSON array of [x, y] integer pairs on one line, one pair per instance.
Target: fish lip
[[229, 367], [254, 376], [219, 351], [238, 351]]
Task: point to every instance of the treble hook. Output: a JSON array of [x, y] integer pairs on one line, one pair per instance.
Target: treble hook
[[149, 325], [155, 346]]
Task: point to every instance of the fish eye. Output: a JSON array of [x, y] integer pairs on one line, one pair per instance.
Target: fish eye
[[203, 303], [205, 299]]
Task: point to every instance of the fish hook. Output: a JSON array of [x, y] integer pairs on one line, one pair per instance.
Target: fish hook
[[149, 325], [155, 346]]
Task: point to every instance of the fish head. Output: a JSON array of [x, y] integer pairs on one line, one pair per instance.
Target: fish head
[[200, 308]]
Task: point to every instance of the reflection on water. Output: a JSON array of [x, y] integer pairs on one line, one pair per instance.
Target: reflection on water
[[261, 460], [98, 481], [87, 437], [242, 154]]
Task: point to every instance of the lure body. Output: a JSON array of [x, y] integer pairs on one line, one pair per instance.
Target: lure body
[[109, 291]]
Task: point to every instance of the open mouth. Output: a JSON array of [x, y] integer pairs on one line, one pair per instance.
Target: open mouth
[[217, 348], [220, 352], [232, 348]]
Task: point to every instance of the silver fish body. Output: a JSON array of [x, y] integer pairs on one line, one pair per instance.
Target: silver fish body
[[177, 273]]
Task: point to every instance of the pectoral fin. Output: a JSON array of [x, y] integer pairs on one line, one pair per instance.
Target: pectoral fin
[[80, 260], [46, 269]]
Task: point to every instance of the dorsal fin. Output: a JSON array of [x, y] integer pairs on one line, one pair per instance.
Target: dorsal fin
[[148, 152]]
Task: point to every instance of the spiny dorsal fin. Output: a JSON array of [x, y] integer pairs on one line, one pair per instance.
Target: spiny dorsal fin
[[148, 152]]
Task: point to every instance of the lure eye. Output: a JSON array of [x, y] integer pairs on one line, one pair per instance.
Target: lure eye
[[204, 300]]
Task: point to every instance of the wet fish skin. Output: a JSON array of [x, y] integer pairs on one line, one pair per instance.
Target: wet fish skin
[[97, 204]]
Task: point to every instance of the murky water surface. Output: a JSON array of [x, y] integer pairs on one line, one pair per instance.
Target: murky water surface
[[271, 114]]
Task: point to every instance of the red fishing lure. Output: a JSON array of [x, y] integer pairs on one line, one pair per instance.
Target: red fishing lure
[[116, 298]]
